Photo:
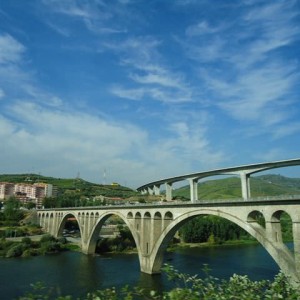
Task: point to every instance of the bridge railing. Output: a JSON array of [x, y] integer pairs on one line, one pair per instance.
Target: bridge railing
[[180, 202], [229, 200]]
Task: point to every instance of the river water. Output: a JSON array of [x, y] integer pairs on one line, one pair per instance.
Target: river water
[[73, 273]]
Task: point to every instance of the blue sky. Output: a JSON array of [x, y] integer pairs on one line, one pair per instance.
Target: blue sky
[[147, 89]]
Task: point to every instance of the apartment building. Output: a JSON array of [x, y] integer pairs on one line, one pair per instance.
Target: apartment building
[[26, 192]]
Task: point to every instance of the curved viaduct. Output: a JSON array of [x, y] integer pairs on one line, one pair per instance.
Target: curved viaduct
[[154, 225], [244, 172]]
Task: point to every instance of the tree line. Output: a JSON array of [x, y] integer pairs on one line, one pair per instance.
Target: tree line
[[217, 230]]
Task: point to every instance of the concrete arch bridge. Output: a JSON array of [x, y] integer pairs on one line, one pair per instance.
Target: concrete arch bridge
[[153, 226]]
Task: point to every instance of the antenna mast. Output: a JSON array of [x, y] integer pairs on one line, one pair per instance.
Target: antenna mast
[[104, 177]]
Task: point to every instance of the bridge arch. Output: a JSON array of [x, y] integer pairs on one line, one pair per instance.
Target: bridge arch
[[258, 217], [91, 242], [278, 251], [63, 221]]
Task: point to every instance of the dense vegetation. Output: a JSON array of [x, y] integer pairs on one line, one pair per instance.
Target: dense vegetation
[[188, 288], [27, 247], [216, 230], [123, 242]]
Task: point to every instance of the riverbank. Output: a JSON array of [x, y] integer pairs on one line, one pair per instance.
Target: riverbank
[[38, 245]]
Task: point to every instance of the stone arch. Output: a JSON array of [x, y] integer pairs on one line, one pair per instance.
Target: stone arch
[[130, 215], [157, 223], [168, 216], [277, 222], [256, 216], [138, 222], [257, 220], [157, 216], [147, 215], [277, 251]]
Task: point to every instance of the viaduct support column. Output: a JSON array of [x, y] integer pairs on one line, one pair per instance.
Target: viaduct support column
[[193, 189], [157, 190], [245, 181], [150, 191], [168, 191]]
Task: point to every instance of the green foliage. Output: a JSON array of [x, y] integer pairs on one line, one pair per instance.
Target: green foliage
[[120, 243], [47, 238], [15, 251], [237, 287], [27, 247], [11, 211], [211, 229], [26, 241]]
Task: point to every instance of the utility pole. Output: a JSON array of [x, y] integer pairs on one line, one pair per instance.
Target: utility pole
[[104, 177]]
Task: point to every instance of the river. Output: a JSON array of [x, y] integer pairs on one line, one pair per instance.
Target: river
[[73, 273]]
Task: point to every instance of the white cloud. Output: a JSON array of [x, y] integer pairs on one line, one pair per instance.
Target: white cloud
[[286, 130], [132, 94], [10, 50], [61, 143], [95, 15], [142, 60], [244, 67], [201, 28]]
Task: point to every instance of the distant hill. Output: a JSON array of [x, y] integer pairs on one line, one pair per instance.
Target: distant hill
[[264, 185], [226, 188], [64, 185]]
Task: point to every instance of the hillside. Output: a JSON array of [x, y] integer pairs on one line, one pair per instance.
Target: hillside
[[79, 185], [264, 185], [226, 188]]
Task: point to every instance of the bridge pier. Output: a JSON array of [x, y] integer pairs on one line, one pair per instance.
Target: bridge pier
[[245, 181], [193, 189], [168, 191]]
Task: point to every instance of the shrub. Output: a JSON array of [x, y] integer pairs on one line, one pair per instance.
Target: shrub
[[15, 251], [47, 238], [62, 240], [26, 241]]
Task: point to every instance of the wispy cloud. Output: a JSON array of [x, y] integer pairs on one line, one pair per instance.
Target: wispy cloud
[[259, 82], [145, 67], [11, 50], [95, 15]]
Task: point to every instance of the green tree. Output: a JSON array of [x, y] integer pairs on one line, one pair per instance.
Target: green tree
[[12, 210]]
